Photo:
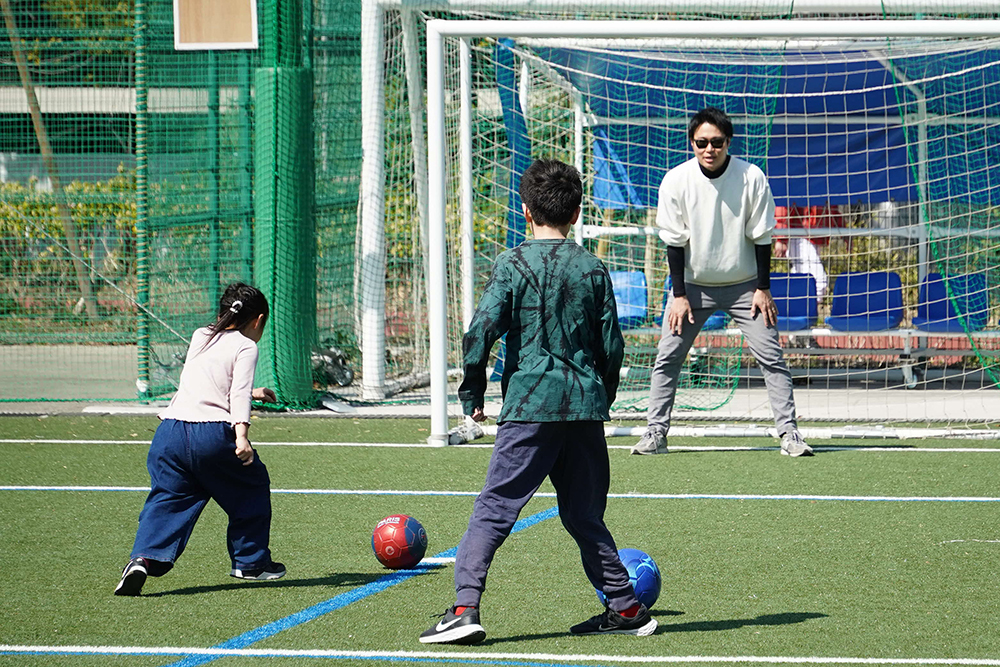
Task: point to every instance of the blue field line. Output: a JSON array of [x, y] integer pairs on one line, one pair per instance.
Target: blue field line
[[344, 599]]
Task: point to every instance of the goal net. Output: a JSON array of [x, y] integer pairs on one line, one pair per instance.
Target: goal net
[[880, 144]]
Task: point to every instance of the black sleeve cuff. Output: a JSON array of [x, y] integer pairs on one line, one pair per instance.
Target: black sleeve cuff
[[675, 262], [763, 255]]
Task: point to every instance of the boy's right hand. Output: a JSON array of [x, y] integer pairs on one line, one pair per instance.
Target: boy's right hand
[[244, 450]]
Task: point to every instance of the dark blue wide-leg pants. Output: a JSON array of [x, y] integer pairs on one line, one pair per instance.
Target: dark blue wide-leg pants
[[190, 463], [574, 455]]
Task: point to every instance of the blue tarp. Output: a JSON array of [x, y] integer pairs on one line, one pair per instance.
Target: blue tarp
[[520, 151], [507, 68], [808, 164]]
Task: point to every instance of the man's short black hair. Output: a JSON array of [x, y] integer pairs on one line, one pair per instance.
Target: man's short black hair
[[713, 116], [552, 191]]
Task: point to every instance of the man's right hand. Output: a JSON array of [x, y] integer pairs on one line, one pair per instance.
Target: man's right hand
[[478, 415], [680, 311]]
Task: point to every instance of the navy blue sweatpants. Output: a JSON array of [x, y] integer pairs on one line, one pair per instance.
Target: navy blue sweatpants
[[574, 455], [190, 463]]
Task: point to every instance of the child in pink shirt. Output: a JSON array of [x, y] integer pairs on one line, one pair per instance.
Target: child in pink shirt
[[201, 451]]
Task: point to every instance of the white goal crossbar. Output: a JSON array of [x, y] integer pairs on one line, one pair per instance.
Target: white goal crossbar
[[781, 7]]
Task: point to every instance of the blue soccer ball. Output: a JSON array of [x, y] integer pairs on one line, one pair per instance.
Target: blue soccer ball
[[643, 574]]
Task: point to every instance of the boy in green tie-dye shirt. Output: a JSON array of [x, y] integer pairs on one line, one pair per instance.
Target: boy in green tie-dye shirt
[[554, 301]]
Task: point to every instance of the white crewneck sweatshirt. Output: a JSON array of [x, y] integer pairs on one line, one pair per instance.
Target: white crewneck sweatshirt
[[217, 380], [717, 221]]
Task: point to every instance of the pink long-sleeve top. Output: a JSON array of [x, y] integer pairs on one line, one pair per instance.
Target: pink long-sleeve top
[[217, 379]]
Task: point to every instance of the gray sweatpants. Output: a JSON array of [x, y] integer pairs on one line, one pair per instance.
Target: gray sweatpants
[[763, 342], [574, 456]]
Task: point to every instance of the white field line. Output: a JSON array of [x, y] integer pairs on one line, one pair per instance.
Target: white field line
[[437, 560], [625, 496], [705, 448], [486, 657]]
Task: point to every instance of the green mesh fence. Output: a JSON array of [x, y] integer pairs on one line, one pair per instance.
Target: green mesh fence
[[165, 176], [67, 204], [199, 169], [336, 65]]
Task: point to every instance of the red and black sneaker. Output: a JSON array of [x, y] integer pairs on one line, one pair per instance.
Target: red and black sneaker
[[613, 623], [455, 628]]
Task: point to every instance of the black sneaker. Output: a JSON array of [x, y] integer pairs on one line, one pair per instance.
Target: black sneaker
[[613, 623], [455, 629], [133, 577], [270, 571]]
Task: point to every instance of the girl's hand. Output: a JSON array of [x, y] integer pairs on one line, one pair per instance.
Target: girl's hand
[[244, 450], [264, 394]]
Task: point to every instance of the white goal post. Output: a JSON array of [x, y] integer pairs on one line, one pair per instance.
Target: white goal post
[[432, 167]]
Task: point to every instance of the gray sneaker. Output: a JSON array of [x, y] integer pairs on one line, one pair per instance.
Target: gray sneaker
[[792, 444], [652, 442]]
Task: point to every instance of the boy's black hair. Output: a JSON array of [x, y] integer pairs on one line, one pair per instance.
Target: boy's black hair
[[713, 116], [552, 191], [240, 303]]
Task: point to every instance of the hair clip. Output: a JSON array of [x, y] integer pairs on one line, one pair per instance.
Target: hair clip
[[235, 308]]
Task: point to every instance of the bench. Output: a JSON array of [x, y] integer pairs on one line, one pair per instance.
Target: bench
[[866, 312]]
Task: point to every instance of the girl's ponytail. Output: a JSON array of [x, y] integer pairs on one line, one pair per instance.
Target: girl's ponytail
[[239, 305]]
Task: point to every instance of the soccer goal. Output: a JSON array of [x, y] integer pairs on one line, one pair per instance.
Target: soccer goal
[[879, 134]]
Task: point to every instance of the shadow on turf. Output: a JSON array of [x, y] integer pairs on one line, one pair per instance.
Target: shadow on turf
[[338, 580], [736, 623], [557, 635], [694, 626], [817, 449]]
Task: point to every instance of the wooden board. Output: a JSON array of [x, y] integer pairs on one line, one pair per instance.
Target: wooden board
[[205, 25]]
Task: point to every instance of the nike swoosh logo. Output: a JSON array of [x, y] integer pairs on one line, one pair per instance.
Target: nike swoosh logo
[[442, 626]]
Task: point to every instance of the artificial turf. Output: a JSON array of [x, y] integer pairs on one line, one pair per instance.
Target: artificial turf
[[868, 575]]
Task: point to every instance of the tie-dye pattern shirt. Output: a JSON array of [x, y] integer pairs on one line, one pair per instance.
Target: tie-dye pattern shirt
[[564, 349]]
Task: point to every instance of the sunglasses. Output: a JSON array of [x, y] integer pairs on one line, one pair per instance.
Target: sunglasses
[[717, 142]]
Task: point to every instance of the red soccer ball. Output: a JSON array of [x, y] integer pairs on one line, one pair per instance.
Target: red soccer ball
[[399, 541]]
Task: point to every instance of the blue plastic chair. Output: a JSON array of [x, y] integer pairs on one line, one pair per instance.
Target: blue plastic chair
[[715, 321], [630, 295], [795, 296], [939, 311], [866, 301]]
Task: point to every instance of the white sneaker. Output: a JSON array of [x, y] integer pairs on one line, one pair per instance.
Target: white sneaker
[[792, 444], [652, 442], [468, 431]]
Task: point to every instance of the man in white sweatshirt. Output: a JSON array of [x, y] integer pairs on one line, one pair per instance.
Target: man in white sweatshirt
[[716, 214]]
